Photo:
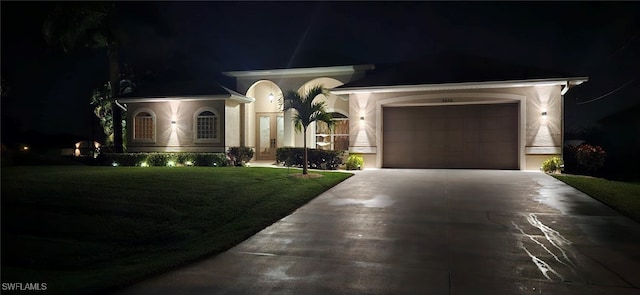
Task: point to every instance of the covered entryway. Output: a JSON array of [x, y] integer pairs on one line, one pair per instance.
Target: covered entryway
[[270, 135], [476, 136]]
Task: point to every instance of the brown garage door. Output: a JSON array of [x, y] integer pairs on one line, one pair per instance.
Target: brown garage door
[[466, 136]]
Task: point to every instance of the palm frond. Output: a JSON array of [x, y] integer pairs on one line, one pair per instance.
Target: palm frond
[[306, 111], [75, 23], [306, 108]]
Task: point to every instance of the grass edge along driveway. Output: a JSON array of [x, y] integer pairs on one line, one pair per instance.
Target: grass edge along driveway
[[624, 197], [93, 229]]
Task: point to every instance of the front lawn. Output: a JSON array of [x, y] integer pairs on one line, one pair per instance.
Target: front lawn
[[621, 196], [86, 229]]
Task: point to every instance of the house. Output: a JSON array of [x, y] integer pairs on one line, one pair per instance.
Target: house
[[447, 111]]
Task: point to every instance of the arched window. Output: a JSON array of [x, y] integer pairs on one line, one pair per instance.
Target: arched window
[[206, 125], [336, 139], [144, 126]]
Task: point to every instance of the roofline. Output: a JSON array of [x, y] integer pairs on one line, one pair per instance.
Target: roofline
[[464, 85], [233, 96], [298, 71], [237, 96]]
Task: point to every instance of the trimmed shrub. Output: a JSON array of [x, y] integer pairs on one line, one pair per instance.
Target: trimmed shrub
[[324, 159], [125, 159], [289, 156], [163, 159], [241, 154], [318, 159], [355, 162], [552, 164], [157, 159], [590, 158], [210, 159]]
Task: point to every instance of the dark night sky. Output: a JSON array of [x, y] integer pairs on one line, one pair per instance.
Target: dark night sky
[[49, 91]]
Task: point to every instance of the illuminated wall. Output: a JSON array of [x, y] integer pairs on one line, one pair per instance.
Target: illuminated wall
[[333, 103], [261, 91], [540, 136], [178, 137]]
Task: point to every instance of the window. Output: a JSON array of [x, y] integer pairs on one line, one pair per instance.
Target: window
[[206, 125], [143, 126], [336, 139]]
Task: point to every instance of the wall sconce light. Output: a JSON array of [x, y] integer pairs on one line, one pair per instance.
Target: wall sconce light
[[544, 114], [173, 124], [271, 97]]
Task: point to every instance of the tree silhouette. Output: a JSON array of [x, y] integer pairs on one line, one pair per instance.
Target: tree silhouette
[[90, 24]]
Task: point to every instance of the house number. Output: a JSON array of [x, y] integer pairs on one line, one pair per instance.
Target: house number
[[447, 100]]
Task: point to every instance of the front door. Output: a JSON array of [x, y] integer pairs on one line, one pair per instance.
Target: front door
[[270, 135]]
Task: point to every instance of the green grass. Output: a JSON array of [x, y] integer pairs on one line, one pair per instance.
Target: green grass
[[88, 229], [621, 196]]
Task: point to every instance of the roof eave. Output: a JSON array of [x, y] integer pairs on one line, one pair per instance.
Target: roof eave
[[298, 71], [463, 85], [174, 98], [238, 98], [232, 95]]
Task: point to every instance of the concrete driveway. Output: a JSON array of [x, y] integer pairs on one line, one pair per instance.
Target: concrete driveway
[[429, 232]]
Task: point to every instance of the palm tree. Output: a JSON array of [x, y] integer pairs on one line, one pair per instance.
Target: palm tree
[[90, 24], [306, 112]]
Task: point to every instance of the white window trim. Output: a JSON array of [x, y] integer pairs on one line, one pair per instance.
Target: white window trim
[[195, 126], [154, 118]]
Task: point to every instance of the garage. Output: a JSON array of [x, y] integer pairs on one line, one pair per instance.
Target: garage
[[475, 136]]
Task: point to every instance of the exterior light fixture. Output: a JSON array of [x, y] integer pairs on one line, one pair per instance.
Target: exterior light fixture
[[173, 123], [544, 114], [362, 118], [271, 97]]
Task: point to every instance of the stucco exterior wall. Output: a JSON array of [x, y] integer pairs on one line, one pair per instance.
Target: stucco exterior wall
[[180, 138], [232, 130], [292, 83], [538, 135], [250, 125]]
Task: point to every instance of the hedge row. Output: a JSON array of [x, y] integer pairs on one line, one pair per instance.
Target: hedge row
[[318, 159], [163, 159]]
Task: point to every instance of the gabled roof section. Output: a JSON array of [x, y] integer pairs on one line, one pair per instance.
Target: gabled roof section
[[452, 69], [183, 91]]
